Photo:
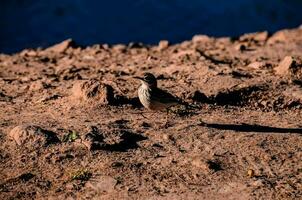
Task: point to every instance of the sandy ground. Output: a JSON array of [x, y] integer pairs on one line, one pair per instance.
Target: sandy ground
[[72, 126]]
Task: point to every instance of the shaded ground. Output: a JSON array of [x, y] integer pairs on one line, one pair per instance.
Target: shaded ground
[[72, 126]]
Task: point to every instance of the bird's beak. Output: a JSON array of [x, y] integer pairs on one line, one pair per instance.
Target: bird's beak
[[136, 77]]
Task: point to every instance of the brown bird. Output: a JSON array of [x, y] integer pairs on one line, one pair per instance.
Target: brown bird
[[152, 97]]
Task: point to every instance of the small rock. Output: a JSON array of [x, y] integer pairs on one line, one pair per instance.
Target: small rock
[[165, 137], [162, 45], [250, 173], [38, 85], [93, 139], [105, 46], [102, 184], [200, 38], [279, 36], [284, 66], [33, 136], [197, 162], [261, 36], [62, 47], [258, 183], [133, 45], [119, 47], [69, 186], [93, 90], [258, 36], [257, 65], [25, 79], [88, 57], [185, 44], [48, 97], [29, 52], [240, 47], [69, 72], [240, 74]]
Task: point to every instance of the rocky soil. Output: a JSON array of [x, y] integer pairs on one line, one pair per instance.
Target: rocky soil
[[72, 126]]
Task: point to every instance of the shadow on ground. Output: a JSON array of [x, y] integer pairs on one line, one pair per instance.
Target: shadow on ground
[[252, 128]]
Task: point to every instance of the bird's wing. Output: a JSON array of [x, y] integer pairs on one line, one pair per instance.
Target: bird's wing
[[163, 96]]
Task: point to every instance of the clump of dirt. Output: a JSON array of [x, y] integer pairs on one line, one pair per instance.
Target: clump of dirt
[[238, 135], [291, 67], [111, 140], [93, 91], [30, 135]]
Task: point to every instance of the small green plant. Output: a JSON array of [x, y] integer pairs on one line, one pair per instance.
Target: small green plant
[[71, 136], [83, 175]]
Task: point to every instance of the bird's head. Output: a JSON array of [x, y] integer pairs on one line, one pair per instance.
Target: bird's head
[[148, 79]]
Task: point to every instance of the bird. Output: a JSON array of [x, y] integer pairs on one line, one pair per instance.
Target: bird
[[152, 97]]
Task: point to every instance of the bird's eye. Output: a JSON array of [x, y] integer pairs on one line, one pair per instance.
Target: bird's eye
[[149, 78]]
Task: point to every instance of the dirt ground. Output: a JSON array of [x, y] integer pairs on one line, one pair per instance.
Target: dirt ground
[[72, 126]]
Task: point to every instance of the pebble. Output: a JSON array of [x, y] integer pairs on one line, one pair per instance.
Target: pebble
[[61, 47], [162, 45], [256, 65], [29, 53], [102, 184], [250, 173], [119, 48], [200, 38], [284, 66], [258, 36]]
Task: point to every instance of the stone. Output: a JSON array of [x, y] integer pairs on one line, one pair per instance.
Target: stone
[[93, 90], [258, 183], [284, 66], [37, 85], [199, 163], [258, 36], [119, 48], [29, 53], [162, 45], [250, 173], [186, 45], [61, 47], [257, 65], [93, 139], [279, 36], [32, 135], [102, 184], [200, 38], [261, 36]]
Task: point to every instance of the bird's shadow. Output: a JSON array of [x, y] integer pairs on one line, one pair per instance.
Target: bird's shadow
[[251, 128]]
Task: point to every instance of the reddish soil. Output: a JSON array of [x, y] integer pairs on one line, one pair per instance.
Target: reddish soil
[[72, 126]]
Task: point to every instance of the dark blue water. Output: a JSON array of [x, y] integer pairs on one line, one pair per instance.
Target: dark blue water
[[34, 23]]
